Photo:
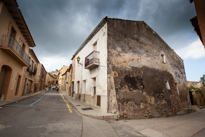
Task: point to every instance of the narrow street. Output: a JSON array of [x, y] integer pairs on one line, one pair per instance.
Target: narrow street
[[50, 114], [45, 114]]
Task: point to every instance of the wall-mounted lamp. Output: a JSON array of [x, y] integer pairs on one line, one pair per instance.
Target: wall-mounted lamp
[[78, 59]]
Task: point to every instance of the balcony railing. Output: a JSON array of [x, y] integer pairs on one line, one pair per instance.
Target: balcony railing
[[32, 70], [92, 60], [10, 42]]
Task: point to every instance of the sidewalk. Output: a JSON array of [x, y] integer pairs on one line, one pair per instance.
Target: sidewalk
[[3, 103], [91, 111]]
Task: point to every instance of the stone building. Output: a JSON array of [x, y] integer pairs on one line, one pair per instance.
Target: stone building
[[40, 78], [50, 79], [125, 67], [197, 96], [67, 80], [61, 78], [198, 22], [15, 41], [55, 75]]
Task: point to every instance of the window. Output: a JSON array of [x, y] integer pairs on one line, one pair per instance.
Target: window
[[163, 58], [167, 84], [17, 86], [177, 88], [94, 87], [32, 65], [95, 46]]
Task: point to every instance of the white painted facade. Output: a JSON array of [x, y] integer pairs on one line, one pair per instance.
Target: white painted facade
[[85, 76]]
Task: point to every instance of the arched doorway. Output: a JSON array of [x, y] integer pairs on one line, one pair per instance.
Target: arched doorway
[[5, 75]]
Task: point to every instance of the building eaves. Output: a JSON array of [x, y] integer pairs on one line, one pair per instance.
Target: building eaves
[[69, 67], [65, 72], [43, 67], [51, 75], [17, 15], [99, 26], [195, 24]]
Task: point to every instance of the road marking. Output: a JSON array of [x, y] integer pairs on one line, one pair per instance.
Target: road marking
[[26, 105], [66, 103], [35, 102]]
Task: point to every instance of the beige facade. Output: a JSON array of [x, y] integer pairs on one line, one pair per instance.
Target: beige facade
[[55, 75], [40, 78], [61, 78], [15, 40], [30, 72], [49, 79], [67, 80]]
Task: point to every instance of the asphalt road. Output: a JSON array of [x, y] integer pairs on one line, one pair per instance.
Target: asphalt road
[[45, 114], [49, 114]]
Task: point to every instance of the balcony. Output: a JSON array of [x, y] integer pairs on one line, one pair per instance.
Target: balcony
[[32, 70], [12, 47], [92, 60]]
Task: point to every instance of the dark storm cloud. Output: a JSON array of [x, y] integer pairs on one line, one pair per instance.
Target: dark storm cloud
[[60, 26]]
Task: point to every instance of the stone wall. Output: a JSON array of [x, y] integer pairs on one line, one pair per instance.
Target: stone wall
[[196, 96], [137, 75]]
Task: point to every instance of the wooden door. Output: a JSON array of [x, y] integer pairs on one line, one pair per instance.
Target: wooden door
[[98, 100]]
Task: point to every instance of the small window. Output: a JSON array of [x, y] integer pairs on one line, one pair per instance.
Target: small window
[[94, 87], [95, 46], [167, 84], [177, 88], [163, 57]]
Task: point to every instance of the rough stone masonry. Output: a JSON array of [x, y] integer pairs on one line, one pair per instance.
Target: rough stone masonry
[[146, 78]]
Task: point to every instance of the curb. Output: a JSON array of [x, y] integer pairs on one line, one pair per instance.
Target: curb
[[20, 99], [101, 117]]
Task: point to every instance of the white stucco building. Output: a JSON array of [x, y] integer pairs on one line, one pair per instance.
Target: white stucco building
[[91, 71]]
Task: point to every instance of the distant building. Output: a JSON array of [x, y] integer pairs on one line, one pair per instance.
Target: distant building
[[67, 80], [125, 67], [61, 77], [40, 78], [15, 53], [55, 74], [50, 79], [198, 22]]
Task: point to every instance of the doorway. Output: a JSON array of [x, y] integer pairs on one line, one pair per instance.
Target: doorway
[[191, 98], [5, 75], [24, 86], [29, 86], [78, 89], [72, 88]]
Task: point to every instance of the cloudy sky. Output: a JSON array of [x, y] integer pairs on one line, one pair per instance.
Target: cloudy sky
[[59, 27]]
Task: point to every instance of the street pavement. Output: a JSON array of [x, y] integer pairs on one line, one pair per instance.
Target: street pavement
[[45, 114], [50, 114]]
